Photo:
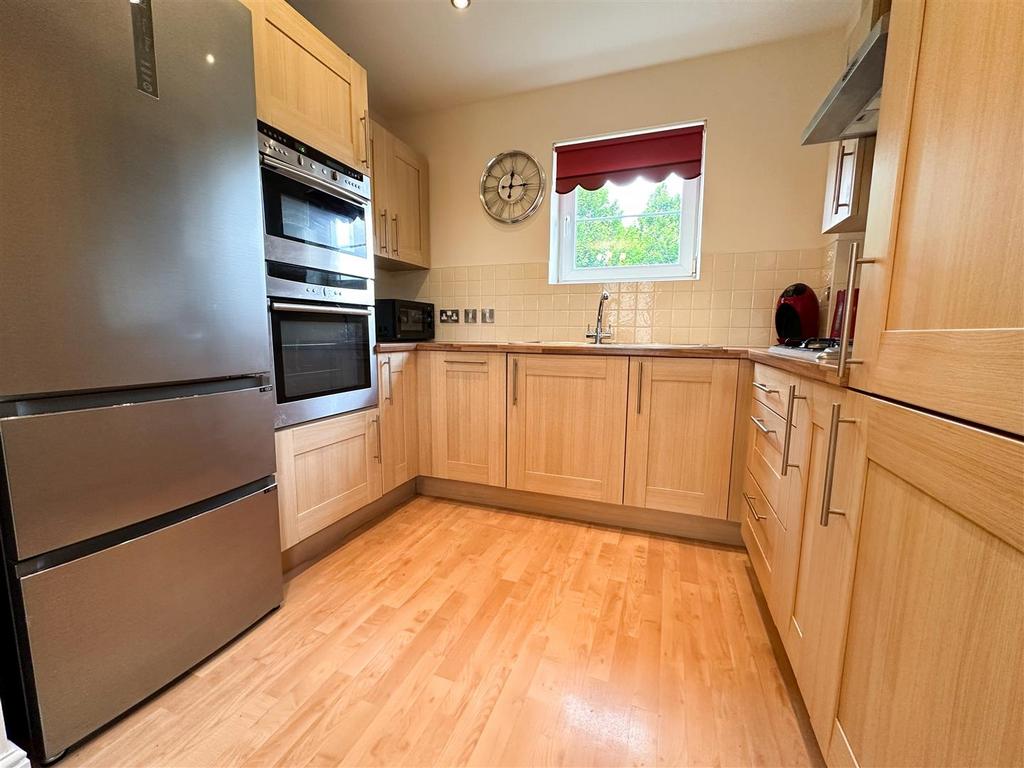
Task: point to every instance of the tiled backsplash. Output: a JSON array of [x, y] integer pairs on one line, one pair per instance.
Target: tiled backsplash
[[732, 302]]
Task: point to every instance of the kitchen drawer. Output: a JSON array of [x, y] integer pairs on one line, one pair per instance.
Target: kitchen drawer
[[764, 460], [77, 474], [771, 387]]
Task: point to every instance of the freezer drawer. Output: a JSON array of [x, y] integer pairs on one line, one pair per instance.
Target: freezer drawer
[[78, 474], [109, 629]]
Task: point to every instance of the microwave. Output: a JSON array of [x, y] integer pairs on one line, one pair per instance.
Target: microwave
[[403, 320]]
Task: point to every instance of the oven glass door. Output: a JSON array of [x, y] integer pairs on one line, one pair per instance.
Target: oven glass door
[[295, 211], [320, 351]]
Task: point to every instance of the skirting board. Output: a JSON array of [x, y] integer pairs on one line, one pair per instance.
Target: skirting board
[[296, 559], [615, 515]]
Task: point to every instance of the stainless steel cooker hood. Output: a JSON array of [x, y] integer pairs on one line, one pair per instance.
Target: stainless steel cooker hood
[[851, 107]]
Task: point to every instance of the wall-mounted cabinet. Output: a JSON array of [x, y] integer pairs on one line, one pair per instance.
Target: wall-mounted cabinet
[[326, 470], [306, 86], [400, 202], [848, 184]]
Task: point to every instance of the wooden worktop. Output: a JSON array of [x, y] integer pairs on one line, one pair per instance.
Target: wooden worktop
[[805, 368]]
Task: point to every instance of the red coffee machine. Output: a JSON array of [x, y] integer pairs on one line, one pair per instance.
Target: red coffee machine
[[796, 315]]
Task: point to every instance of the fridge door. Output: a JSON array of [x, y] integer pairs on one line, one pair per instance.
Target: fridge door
[[131, 237], [101, 642], [79, 474]]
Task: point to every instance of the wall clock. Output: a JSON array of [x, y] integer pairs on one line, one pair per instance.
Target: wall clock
[[512, 186]]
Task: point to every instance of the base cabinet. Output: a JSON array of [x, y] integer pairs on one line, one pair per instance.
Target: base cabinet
[[567, 425], [326, 470], [462, 419], [399, 428], [680, 434], [932, 671], [815, 629]]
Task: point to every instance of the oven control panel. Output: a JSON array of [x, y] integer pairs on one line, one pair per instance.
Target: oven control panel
[[311, 162]]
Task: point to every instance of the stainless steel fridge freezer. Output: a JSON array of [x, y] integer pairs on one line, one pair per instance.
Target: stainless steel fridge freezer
[[138, 514]]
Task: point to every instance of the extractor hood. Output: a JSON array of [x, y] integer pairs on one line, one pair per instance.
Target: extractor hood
[[851, 107]]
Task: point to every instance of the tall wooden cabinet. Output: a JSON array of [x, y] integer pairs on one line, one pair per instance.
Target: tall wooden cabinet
[[401, 192], [814, 629], [567, 425], [941, 320], [326, 470], [306, 86], [462, 421], [399, 427], [679, 437], [935, 651]]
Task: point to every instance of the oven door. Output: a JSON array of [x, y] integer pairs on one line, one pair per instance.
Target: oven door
[[324, 362], [309, 223]]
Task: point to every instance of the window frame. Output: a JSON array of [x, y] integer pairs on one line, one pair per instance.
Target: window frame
[[562, 253]]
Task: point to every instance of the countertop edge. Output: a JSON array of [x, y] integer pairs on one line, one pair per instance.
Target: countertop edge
[[761, 355]]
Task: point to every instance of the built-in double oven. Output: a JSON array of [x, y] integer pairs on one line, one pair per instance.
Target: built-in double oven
[[320, 295]]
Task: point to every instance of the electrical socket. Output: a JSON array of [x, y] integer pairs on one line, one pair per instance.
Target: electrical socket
[[449, 315]]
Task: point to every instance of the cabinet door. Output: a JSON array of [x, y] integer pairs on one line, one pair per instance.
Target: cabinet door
[[941, 321], [463, 420], [325, 471], [567, 425], [849, 179], [306, 86], [398, 418], [380, 150], [816, 626], [679, 434], [935, 646], [408, 194]]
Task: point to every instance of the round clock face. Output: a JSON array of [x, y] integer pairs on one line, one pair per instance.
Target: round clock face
[[512, 186]]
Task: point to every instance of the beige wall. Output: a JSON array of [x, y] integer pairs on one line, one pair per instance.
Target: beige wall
[[763, 191]]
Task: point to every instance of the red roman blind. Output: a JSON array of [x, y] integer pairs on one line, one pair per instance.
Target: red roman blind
[[654, 155]]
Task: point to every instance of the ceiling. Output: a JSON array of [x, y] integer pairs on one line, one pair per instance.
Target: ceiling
[[423, 55]]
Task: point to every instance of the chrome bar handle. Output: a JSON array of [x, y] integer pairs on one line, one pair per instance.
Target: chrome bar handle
[[384, 230], [639, 386], [762, 426], [765, 388], [791, 399], [376, 423], [365, 120], [515, 381], [830, 464], [844, 336], [387, 362], [750, 503], [394, 247]]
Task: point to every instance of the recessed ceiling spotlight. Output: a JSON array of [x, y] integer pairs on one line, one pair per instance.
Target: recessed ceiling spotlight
[[460, 5]]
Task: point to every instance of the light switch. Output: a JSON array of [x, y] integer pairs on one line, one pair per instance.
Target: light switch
[[470, 315]]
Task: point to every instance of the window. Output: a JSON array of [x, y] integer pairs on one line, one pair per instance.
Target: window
[[628, 207]]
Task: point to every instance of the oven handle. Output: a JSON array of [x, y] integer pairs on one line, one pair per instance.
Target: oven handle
[[318, 309], [307, 178]]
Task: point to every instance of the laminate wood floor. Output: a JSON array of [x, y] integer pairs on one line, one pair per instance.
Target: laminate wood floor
[[457, 635]]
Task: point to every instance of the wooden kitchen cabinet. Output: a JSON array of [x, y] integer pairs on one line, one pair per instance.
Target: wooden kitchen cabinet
[[326, 470], [815, 630], [679, 434], [306, 86], [567, 425], [399, 427], [940, 322], [847, 185], [462, 418], [935, 645], [401, 193]]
